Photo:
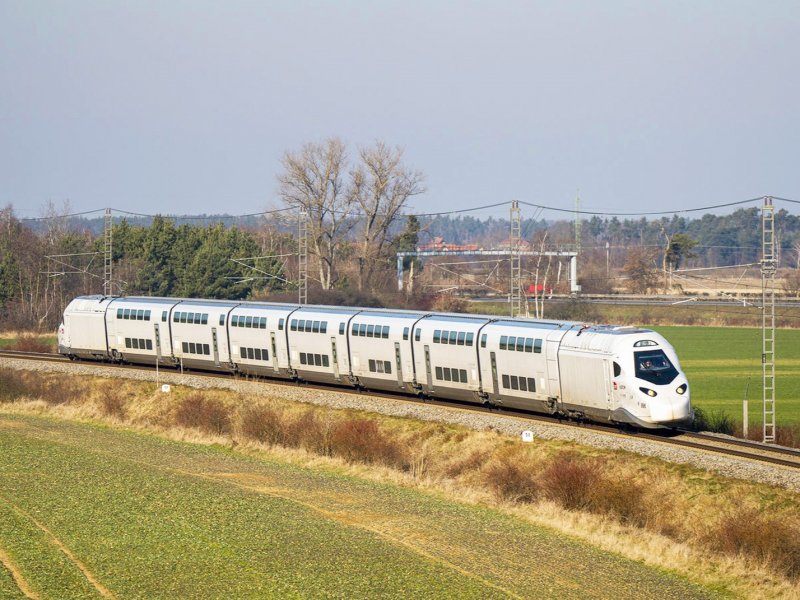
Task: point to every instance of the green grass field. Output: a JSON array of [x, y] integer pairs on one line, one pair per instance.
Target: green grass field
[[86, 509], [724, 363]]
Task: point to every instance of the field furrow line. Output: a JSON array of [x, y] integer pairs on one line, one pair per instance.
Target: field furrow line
[[101, 589], [19, 579]]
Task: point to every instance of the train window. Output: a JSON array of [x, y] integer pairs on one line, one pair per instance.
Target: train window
[[248, 322], [181, 317], [528, 344], [120, 312], [506, 382], [234, 321], [126, 313], [418, 334], [523, 384], [520, 344], [362, 329], [185, 347], [222, 320], [135, 342], [315, 327], [302, 358], [446, 371], [437, 335], [387, 367], [307, 328], [280, 324], [503, 342], [439, 373], [323, 327], [175, 316], [140, 315], [445, 337], [147, 315], [204, 319], [301, 325], [512, 342], [198, 318], [127, 342], [206, 349], [405, 333], [243, 352], [189, 318], [537, 346], [370, 330], [483, 340], [641, 343], [262, 322], [470, 338], [385, 332], [617, 369], [163, 316], [453, 337], [355, 329], [462, 337], [463, 373], [149, 344], [341, 328], [264, 354], [531, 384], [317, 360], [372, 365], [514, 382], [293, 325], [325, 362], [250, 354], [192, 348]]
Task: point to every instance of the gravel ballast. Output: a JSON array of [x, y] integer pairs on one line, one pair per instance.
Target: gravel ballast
[[738, 468]]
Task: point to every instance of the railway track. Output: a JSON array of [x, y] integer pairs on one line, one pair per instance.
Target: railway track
[[705, 442]]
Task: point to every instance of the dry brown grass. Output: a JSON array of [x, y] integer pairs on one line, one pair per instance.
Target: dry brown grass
[[648, 509]]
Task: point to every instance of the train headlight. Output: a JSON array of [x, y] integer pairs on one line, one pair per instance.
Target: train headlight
[[681, 389], [648, 391]]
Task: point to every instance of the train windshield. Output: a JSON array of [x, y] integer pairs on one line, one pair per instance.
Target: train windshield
[[654, 367]]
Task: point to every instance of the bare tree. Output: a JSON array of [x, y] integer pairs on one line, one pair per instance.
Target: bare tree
[[381, 187], [312, 182]]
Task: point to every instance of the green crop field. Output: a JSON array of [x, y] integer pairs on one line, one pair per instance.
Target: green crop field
[[87, 511], [724, 363]]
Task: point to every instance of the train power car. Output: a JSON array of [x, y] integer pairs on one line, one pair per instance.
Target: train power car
[[600, 372]]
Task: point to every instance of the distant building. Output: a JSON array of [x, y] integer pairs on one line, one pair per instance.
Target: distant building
[[439, 245]]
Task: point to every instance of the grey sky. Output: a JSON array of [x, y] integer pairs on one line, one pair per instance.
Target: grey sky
[[187, 106]]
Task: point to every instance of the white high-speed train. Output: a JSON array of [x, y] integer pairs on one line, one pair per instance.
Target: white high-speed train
[[601, 372]]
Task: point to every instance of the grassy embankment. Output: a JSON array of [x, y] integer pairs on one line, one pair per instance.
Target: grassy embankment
[[296, 500]]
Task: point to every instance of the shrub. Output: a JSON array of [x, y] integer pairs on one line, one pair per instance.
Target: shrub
[[717, 421], [788, 435], [311, 432], [59, 390], [12, 385], [111, 401], [570, 480], [361, 440], [770, 540], [30, 343], [206, 414], [621, 499], [263, 424], [511, 478]]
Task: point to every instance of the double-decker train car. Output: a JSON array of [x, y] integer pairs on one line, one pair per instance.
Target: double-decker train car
[[601, 372]]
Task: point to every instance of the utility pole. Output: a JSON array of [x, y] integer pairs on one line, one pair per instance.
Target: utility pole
[[108, 286], [577, 223], [302, 258], [768, 268], [516, 271]]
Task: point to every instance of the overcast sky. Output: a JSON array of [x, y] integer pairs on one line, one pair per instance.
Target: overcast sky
[[187, 106]]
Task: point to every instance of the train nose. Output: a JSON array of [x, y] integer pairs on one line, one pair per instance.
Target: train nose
[[677, 408]]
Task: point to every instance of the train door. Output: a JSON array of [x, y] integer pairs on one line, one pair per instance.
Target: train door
[[215, 345], [398, 364], [158, 342], [335, 358], [607, 383], [275, 366], [428, 367], [495, 384]]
